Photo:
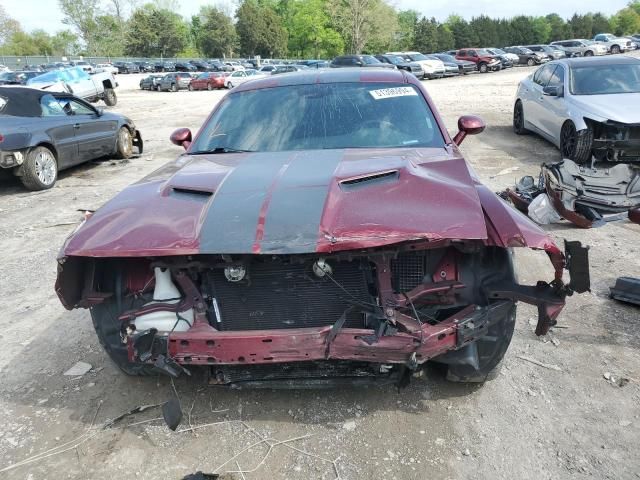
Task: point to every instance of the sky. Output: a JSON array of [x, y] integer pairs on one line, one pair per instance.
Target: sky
[[44, 14]]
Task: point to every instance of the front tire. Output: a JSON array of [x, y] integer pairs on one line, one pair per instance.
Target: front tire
[[107, 326], [615, 49], [229, 85], [191, 88], [576, 145], [40, 169], [483, 68], [110, 97], [124, 144], [490, 349], [518, 119], [531, 62], [174, 88], [588, 53]]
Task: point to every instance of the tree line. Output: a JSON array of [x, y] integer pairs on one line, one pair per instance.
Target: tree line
[[287, 28]]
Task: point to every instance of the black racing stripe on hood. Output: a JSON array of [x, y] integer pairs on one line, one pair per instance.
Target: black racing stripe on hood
[[230, 221], [292, 220], [270, 203]]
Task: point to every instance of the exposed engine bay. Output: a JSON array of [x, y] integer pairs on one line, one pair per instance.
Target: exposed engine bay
[[616, 142]]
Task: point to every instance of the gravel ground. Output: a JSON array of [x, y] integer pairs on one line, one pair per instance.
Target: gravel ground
[[529, 423]]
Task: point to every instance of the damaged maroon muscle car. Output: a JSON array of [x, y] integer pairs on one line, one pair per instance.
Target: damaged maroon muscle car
[[321, 228]]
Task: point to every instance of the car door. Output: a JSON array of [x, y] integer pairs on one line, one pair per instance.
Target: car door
[[537, 109], [59, 128], [95, 134], [554, 110]]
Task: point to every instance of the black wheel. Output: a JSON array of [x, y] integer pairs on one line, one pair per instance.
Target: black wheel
[[174, 88], [158, 88], [229, 85], [190, 88], [518, 119], [576, 145], [490, 350], [124, 143], [110, 97], [40, 169], [531, 62], [615, 49], [107, 326], [483, 68], [588, 53]]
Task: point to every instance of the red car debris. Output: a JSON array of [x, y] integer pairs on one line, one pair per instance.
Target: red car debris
[[321, 228], [208, 81]]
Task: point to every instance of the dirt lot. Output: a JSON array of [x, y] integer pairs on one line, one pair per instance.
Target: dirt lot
[[530, 423]]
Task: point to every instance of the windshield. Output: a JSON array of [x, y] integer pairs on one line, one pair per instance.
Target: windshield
[[498, 51], [369, 60], [320, 116], [446, 58], [483, 52], [394, 59], [417, 57], [51, 77], [612, 79]]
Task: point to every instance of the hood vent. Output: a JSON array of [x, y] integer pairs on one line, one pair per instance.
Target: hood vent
[[370, 179], [191, 194]]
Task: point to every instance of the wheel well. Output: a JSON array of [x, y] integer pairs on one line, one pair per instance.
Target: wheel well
[[107, 84], [50, 147]]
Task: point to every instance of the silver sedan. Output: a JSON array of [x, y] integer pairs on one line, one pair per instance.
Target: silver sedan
[[588, 107]]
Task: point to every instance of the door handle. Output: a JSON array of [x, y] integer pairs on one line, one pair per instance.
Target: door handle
[[76, 126]]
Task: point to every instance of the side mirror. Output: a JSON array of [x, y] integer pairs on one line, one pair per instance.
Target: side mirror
[[100, 111], [552, 91], [181, 137], [468, 125]]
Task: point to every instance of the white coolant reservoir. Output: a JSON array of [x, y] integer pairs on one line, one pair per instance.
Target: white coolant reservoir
[[165, 292]]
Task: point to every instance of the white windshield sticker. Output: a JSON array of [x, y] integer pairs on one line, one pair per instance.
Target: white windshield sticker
[[393, 92]]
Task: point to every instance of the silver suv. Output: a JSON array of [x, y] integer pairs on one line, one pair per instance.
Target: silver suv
[[582, 47]]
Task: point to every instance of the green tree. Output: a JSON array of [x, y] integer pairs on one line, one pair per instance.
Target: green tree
[[581, 25], [445, 39], [81, 15], [153, 32], [485, 30], [310, 31], [463, 34], [405, 35], [216, 36], [558, 28], [363, 21], [260, 30], [8, 26], [541, 30], [426, 36], [600, 24], [522, 30]]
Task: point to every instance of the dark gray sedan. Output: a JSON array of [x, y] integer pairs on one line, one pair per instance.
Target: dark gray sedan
[[43, 132]]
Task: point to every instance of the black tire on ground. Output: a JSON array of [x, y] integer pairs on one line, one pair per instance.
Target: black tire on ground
[[40, 169], [518, 119], [124, 143], [190, 88], [491, 349], [110, 97], [615, 49], [576, 145], [483, 68], [158, 88], [107, 326], [588, 53], [229, 85], [174, 88], [531, 62]]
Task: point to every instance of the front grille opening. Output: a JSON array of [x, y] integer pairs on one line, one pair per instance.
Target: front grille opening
[[279, 295], [411, 269]]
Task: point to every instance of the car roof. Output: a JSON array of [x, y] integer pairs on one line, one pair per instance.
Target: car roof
[[334, 75], [25, 101], [604, 61]]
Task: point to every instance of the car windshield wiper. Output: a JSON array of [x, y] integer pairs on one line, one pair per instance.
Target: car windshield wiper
[[220, 150]]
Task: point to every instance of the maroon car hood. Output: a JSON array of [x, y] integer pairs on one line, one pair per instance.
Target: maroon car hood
[[302, 202]]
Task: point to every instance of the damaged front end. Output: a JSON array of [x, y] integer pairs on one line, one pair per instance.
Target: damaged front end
[[615, 141], [582, 194], [313, 320]]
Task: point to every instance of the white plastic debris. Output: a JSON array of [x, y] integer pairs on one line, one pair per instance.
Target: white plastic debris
[[542, 212], [78, 369]]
